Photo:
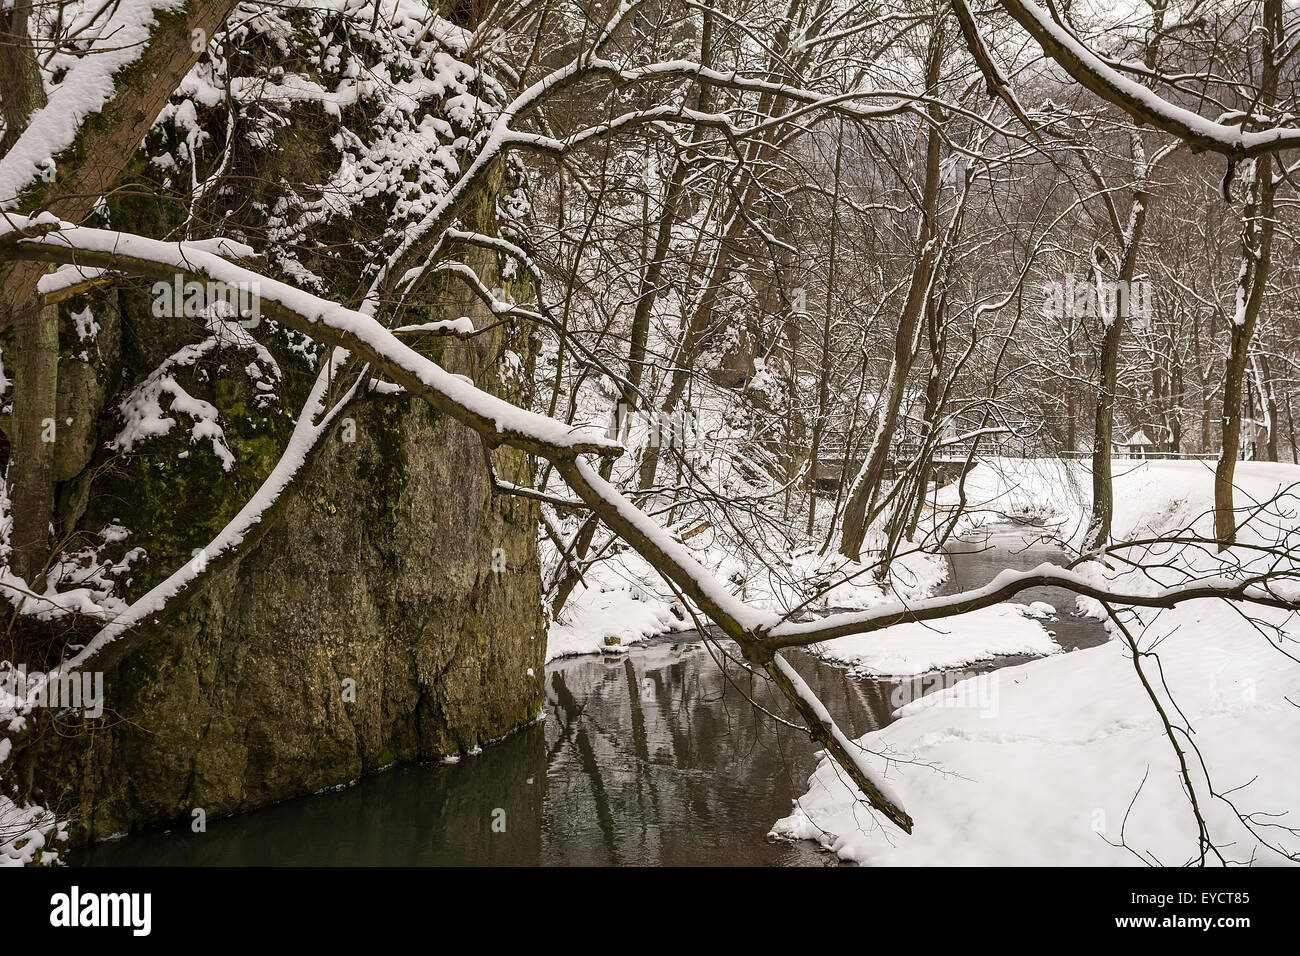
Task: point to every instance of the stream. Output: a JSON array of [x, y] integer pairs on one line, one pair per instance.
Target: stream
[[653, 757]]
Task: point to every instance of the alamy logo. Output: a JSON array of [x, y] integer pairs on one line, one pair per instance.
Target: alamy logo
[[678, 430], [75, 690], [950, 689], [192, 299], [1084, 299], [74, 909]]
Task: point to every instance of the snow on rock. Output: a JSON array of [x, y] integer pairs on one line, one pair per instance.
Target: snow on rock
[[609, 621], [142, 410], [623, 602], [26, 832], [852, 586], [628, 601]]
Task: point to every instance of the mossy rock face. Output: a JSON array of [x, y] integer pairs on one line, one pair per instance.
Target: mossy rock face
[[367, 625], [370, 624]]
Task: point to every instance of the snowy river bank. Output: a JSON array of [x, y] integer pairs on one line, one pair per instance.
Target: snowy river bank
[[651, 757]]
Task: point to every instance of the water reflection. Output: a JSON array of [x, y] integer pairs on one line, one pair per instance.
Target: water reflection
[[660, 757], [654, 758], [980, 555]]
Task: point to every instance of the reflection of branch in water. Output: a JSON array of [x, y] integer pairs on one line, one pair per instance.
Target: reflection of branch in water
[[681, 741], [587, 761], [640, 741], [567, 720], [874, 699]]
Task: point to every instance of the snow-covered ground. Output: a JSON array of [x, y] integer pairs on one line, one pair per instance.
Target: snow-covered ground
[[625, 600], [611, 619], [1074, 766]]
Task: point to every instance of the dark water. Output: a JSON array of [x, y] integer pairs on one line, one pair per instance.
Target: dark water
[[657, 757], [979, 556]]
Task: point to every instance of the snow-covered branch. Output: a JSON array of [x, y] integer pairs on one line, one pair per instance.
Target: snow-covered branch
[[497, 420], [1258, 589], [1144, 105]]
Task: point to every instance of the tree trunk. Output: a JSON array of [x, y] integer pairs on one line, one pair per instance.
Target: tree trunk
[[824, 373], [858, 511], [1103, 505], [36, 333], [20, 74], [1290, 429], [1257, 243], [1256, 248], [1268, 405], [1103, 437], [104, 145], [32, 437]]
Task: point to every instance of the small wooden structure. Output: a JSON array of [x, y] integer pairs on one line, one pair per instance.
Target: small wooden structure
[[946, 466], [1139, 445]]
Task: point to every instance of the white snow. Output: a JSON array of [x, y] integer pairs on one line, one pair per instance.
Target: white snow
[[116, 40], [609, 614], [1048, 776], [460, 397], [918, 648]]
